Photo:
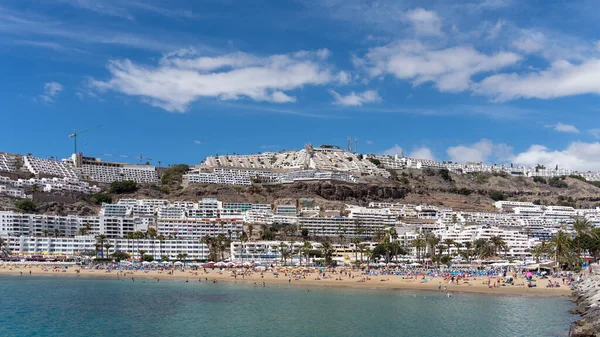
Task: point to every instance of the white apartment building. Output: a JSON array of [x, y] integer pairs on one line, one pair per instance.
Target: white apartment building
[[518, 245], [503, 204], [341, 226], [12, 192], [39, 166], [195, 229], [7, 162], [107, 172], [81, 245], [54, 225]]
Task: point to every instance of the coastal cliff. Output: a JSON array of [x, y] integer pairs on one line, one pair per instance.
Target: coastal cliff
[[587, 298]]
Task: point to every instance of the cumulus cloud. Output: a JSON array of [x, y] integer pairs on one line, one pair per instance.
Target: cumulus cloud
[[197, 142], [496, 29], [51, 90], [482, 151], [530, 41], [395, 150], [425, 22], [343, 77], [369, 142], [595, 133], [560, 127], [422, 153], [356, 99], [182, 77], [562, 78], [449, 69], [577, 156]]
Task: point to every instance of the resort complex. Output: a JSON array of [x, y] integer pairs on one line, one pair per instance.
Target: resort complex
[[165, 229], [210, 229]]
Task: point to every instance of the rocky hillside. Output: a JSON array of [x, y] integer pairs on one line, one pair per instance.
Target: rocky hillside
[[469, 192]]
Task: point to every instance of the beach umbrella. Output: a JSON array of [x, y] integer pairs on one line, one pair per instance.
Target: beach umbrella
[[178, 263]]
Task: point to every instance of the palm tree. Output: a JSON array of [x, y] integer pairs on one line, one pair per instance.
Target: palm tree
[[100, 240], [539, 250], [362, 247], [458, 246], [108, 246], [582, 227], [243, 238], [282, 247], [128, 236], [419, 243], [307, 246], [432, 241], [250, 230], [497, 242], [327, 252], [142, 253], [561, 242], [468, 245], [448, 243], [152, 234], [207, 240], [161, 238], [356, 242]]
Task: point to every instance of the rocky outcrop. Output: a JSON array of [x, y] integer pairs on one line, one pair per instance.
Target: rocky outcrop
[[587, 297]]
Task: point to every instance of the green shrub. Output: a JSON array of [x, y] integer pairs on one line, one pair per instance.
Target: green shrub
[[428, 172], [173, 174], [557, 182], [99, 198], [537, 179], [464, 191], [26, 205], [496, 195], [120, 187], [375, 161], [445, 174]]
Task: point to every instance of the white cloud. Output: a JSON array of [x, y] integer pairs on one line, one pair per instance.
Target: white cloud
[[356, 99], [560, 127], [369, 142], [182, 77], [449, 69], [577, 156], [561, 79], [530, 41], [482, 151], [51, 90], [496, 29], [422, 153], [595, 133], [343, 77], [197, 142], [425, 22], [393, 151]]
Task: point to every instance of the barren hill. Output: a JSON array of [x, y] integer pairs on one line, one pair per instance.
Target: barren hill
[[467, 192]]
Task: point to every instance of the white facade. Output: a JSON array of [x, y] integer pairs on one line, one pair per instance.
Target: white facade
[[80, 245]]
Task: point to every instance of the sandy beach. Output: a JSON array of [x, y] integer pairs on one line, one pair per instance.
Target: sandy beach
[[398, 282]]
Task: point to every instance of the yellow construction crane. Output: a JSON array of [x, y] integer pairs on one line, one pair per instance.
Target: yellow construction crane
[[75, 134]]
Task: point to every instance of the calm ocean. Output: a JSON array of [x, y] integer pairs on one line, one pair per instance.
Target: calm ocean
[[48, 306]]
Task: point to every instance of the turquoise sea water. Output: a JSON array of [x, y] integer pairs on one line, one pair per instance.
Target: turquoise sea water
[[53, 306]]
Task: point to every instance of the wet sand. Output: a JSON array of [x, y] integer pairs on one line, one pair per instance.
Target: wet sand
[[476, 284]]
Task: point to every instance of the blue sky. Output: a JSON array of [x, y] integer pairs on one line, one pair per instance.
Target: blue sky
[[471, 80]]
